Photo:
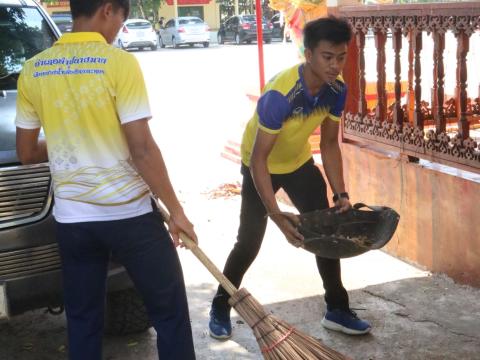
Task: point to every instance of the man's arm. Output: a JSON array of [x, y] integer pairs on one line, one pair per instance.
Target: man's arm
[[149, 162], [263, 183], [30, 149], [332, 160]]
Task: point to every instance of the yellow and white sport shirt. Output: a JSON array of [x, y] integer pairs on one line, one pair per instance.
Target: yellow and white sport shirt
[[287, 108], [80, 91]]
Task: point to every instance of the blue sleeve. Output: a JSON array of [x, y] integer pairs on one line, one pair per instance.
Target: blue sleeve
[[272, 109], [339, 105]]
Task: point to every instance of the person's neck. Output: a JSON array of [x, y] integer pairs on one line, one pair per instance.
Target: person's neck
[[312, 80], [83, 24]]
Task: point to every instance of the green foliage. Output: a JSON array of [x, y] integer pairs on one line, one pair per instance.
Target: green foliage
[[145, 9], [12, 55]]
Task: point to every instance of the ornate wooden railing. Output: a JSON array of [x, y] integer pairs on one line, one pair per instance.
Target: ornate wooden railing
[[415, 127]]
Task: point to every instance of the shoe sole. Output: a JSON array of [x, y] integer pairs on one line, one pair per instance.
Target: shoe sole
[[219, 337], [337, 327]]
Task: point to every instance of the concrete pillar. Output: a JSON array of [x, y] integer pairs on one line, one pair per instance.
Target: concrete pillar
[[175, 8]]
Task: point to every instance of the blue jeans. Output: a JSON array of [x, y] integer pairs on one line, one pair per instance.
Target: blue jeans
[[144, 247]]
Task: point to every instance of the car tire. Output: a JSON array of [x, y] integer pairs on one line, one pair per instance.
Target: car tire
[[174, 43], [249, 41], [220, 39], [206, 44], [125, 313], [267, 40], [238, 41], [160, 42], [153, 47]]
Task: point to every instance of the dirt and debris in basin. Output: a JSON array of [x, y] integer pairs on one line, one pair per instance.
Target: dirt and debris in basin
[[224, 191]]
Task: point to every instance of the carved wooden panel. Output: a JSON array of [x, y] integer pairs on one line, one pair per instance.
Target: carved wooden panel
[[402, 125]]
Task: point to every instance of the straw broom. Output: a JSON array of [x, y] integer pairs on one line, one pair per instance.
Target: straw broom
[[277, 339]]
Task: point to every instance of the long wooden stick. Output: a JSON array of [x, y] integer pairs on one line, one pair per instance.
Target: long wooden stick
[[193, 247]]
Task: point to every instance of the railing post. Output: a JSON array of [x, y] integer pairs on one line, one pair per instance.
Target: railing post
[[381, 109], [463, 41], [350, 75], [417, 49], [411, 92], [397, 48], [438, 81], [362, 84]]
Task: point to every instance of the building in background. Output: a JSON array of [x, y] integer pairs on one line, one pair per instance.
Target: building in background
[[61, 6], [207, 10]]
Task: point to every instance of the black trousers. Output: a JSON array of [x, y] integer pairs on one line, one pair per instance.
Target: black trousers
[[308, 191]]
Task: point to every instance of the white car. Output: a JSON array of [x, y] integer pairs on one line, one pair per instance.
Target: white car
[[136, 33], [185, 30]]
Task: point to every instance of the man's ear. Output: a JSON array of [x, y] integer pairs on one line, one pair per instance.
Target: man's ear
[[308, 55], [107, 10]]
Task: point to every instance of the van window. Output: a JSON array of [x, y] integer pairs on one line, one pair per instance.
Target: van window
[[23, 34]]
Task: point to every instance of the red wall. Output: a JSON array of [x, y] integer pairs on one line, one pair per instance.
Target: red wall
[[439, 227]]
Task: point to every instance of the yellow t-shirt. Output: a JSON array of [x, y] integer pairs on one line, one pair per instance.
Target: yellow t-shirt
[[286, 108], [80, 91]]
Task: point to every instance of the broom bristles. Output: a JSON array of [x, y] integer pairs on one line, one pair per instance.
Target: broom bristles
[[277, 339]]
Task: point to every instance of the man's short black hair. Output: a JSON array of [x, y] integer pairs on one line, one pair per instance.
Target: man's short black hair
[[332, 29], [88, 7]]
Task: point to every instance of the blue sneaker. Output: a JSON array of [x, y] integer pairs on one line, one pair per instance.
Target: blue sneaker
[[346, 322], [220, 326]]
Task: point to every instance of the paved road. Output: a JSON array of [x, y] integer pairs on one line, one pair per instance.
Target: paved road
[[198, 98]]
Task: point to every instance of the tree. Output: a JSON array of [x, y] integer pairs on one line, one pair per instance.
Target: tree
[[146, 9], [18, 42]]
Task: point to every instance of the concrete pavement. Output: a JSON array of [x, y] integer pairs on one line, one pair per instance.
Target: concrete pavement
[[414, 314]]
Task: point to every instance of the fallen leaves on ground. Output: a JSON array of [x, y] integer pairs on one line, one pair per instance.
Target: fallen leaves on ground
[[225, 190]]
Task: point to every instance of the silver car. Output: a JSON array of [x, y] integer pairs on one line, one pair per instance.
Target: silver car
[[186, 30]]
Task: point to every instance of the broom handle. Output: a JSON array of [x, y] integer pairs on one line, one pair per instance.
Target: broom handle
[[193, 247]]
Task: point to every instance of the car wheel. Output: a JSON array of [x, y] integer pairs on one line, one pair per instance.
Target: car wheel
[[125, 313], [191, 45], [174, 43], [153, 47], [237, 39], [249, 41], [267, 40], [160, 42], [206, 44], [220, 39]]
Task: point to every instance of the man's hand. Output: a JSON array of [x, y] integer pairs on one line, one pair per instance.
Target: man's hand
[[179, 223], [343, 204], [287, 223]]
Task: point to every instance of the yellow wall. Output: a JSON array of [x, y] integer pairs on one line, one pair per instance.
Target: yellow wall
[[211, 13], [60, 6]]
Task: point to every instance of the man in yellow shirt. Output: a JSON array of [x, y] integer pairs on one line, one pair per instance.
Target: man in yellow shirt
[[276, 154], [91, 101]]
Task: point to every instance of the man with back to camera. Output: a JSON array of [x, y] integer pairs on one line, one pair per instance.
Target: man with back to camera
[[276, 154], [90, 98]]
